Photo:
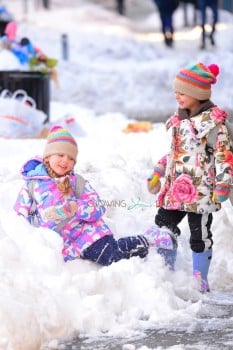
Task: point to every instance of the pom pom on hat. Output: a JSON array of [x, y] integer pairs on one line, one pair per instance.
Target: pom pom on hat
[[214, 69], [196, 80], [60, 141]]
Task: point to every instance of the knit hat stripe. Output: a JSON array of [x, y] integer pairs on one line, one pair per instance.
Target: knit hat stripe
[[194, 83], [63, 139], [203, 71], [60, 133], [60, 141], [201, 74], [195, 78]]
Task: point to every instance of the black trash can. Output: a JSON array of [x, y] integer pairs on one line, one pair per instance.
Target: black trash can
[[36, 84], [3, 25]]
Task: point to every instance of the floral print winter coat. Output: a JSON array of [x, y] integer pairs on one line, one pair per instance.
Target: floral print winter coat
[[83, 226], [190, 170]]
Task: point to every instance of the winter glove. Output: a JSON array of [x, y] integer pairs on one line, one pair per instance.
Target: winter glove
[[61, 212], [154, 189], [221, 192], [153, 182]]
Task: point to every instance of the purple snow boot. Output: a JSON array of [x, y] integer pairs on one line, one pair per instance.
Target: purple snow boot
[[169, 257], [165, 241], [161, 237]]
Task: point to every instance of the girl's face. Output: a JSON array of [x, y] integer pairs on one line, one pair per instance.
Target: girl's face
[[187, 102], [61, 164]]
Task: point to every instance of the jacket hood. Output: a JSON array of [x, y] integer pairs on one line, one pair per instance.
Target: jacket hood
[[204, 119], [204, 106], [34, 169], [208, 120]]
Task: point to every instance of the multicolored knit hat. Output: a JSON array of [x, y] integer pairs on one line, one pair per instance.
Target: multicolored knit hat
[[196, 80], [60, 140]]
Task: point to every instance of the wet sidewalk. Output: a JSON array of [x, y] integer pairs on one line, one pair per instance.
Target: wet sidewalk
[[212, 330]]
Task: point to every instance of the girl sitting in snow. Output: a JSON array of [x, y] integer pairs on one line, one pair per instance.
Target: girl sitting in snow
[[78, 219]]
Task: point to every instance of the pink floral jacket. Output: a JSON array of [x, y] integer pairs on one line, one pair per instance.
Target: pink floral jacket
[[190, 171]]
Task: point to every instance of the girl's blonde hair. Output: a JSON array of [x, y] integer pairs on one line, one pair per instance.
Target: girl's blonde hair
[[64, 186]]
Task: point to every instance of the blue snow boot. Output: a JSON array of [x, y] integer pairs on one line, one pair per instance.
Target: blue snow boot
[[169, 257], [201, 264]]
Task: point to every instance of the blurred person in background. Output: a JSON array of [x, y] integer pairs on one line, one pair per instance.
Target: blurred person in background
[[43, 3], [185, 5], [203, 5], [166, 10], [120, 6]]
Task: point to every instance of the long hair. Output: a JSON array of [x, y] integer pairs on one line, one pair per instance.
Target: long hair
[[63, 186]]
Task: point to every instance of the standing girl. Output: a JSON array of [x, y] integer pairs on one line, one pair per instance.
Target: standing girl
[[197, 178]]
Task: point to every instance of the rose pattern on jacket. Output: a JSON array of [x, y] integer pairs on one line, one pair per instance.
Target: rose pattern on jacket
[[218, 114], [183, 190]]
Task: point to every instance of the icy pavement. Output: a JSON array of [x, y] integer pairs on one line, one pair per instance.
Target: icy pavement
[[212, 330]]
